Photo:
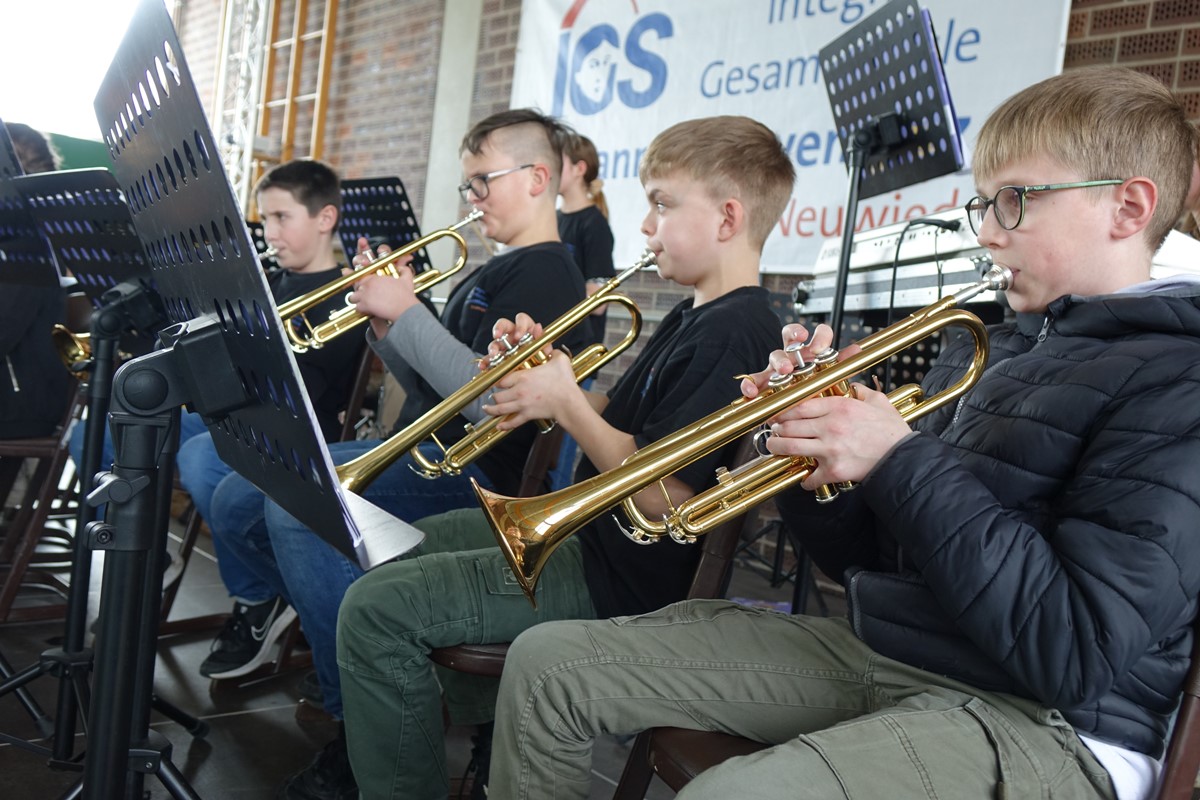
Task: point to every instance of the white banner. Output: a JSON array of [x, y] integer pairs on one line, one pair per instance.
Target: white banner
[[620, 71]]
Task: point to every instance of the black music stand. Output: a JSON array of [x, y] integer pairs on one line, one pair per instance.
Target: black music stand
[[84, 217], [892, 109], [378, 210], [227, 357]]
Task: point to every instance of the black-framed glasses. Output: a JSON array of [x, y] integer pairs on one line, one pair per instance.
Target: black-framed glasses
[[1008, 204], [478, 184]]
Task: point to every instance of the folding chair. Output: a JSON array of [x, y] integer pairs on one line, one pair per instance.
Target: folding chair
[[24, 566]]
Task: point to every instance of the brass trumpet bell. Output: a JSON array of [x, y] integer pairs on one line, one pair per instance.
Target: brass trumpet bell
[[74, 349]]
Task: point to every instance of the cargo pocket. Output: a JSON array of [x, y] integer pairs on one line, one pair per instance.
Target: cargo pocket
[[498, 579], [974, 708]]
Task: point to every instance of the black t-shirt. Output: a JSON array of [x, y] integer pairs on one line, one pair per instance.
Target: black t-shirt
[[589, 238], [329, 371], [685, 372], [540, 280]]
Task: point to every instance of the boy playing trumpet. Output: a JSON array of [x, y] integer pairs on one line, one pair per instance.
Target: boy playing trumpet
[[1021, 570], [716, 188]]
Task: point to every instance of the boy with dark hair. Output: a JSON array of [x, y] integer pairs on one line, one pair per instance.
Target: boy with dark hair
[[511, 164], [715, 188], [1020, 569], [300, 205]]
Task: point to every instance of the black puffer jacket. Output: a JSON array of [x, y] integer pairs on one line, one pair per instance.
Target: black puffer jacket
[[1042, 539]]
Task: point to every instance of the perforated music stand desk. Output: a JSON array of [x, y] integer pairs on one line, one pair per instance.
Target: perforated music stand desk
[[87, 222], [204, 265], [25, 255], [892, 110], [379, 208]]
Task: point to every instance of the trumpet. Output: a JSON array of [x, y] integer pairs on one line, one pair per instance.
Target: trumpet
[[305, 336], [525, 354], [530, 529], [74, 349]]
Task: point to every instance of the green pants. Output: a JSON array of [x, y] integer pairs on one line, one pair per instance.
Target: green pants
[[846, 722], [458, 591]]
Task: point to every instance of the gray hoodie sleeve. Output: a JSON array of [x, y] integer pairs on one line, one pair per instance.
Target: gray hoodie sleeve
[[418, 339]]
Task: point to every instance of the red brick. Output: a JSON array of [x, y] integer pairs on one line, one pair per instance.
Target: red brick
[[1189, 73], [1146, 46], [1096, 51], [1075, 4], [1120, 18], [1078, 25], [1173, 12], [1191, 104], [1164, 72], [1191, 41]]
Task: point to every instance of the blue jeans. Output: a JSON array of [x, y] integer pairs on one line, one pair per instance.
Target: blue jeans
[[309, 571], [202, 473]]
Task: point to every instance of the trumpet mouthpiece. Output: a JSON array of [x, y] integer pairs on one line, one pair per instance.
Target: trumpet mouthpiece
[[999, 277]]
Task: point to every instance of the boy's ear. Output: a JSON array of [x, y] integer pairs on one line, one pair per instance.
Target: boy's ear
[[1137, 198], [733, 219], [540, 179], [327, 219]]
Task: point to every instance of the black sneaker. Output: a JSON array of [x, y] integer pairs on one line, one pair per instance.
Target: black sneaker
[[479, 765], [328, 777], [243, 644]]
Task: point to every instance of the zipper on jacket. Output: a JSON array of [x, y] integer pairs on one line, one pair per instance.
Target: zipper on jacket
[[1043, 334], [1045, 331], [12, 374]]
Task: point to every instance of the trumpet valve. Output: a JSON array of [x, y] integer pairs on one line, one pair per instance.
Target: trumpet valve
[[826, 494], [845, 486]]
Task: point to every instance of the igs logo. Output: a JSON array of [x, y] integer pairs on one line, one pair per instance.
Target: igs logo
[[600, 63]]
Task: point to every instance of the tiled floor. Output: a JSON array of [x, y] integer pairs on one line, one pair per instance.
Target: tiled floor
[[259, 733]]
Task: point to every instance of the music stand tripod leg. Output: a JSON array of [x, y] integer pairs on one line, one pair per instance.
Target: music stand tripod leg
[[16, 684]]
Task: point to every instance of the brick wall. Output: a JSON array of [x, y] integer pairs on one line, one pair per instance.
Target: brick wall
[[1158, 37]]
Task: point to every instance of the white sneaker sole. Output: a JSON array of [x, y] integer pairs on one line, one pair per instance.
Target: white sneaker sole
[[280, 624]]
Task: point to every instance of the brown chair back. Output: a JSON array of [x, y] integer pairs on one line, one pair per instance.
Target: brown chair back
[[358, 393], [1183, 751], [42, 499]]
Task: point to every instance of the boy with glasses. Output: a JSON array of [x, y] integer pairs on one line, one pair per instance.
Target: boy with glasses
[[1021, 569], [512, 161]]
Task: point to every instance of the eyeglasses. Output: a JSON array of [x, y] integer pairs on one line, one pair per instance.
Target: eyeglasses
[[1009, 203], [478, 184]]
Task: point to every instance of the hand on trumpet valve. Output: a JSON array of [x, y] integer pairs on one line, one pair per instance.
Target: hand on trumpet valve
[[799, 349], [545, 392], [384, 298], [508, 335], [846, 435], [365, 254]]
